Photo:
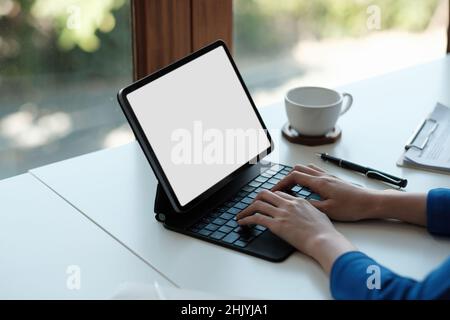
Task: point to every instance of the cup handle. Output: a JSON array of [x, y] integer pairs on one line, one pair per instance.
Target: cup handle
[[348, 104]]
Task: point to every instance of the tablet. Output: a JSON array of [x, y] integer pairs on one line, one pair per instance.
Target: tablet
[[197, 125]]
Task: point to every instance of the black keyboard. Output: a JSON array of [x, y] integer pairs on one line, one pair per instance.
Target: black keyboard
[[220, 224]]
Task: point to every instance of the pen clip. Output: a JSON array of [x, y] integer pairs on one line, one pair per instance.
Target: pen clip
[[382, 177]]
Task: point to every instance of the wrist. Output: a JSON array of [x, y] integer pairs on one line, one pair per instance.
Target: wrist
[[393, 204], [325, 248], [378, 204]]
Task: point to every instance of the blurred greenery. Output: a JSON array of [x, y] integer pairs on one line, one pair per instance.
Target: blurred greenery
[[273, 26], [65, 36]]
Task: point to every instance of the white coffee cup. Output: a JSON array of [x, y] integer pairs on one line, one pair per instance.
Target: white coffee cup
[[314, 111]]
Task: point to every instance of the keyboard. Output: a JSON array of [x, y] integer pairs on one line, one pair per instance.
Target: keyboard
[[220, 224]]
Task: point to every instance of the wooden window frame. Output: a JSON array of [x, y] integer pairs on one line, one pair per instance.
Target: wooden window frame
[[167, 30]]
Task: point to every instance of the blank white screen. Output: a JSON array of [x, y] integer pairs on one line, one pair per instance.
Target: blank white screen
[[208, 90]]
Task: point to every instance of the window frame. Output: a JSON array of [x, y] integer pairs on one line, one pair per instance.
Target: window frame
[[167, 30]]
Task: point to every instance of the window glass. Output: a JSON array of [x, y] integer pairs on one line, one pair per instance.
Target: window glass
[[62, 62], [286, 43]]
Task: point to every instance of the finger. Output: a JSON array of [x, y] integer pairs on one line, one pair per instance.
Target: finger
[[285, 195], [307, 170], [293, 179], [270, 197], [257, 219], [258, 206], [321, 205], [319, 169]]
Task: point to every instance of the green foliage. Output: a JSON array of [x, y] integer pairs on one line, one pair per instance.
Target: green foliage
[[63, 36], [268, 25], [81, 37]]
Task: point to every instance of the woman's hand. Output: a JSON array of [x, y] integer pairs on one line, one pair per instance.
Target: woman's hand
[[298, 223], [344, 201]]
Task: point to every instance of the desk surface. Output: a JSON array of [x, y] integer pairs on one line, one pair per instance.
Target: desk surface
[[116, 188], [42, 236]]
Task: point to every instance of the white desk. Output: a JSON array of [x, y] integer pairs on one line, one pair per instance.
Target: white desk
[[41, 236], [116, 189]]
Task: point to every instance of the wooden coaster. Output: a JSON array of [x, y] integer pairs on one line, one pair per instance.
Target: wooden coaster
[[294, 136]]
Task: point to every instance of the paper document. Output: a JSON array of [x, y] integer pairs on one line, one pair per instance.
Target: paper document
[[431, 146]]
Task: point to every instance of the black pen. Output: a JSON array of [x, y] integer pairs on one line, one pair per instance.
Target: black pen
[[368, 172]]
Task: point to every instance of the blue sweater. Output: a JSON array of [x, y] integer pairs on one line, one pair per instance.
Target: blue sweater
[[354, 275]]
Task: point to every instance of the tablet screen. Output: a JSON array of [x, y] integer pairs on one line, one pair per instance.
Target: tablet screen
[[200, 123]]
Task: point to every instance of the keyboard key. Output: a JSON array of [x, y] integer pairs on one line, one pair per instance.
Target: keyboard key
[[271, 172], [279, 176], [254, 184], [217, 235], [232, 224], [230, 238], [266, 175], [315, 197], [247, 236], [297, 188], [207, 219], [257, 232], [225, 229], [267, 185], [204, 232], [258, 190], [284, 172], [222, 209], [288, 168], [276, 167], [215, 214], [240, 205], [233, 211], [261, 228], [227, 216], [248, 188], [304, 192], [242, 194], [194, 230], [228, 204], [220, 221], [236, 199], [212, 227], [253, 195], [240, 243], [261, 179], [247, 200], [200, 225], [247, 233], [273, 180], [300, 196]]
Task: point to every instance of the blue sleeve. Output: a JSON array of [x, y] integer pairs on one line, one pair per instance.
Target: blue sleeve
[[438, 212], [355, 276]]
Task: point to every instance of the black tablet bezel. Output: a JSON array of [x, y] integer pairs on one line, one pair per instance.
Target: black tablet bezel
[[146, 147]]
